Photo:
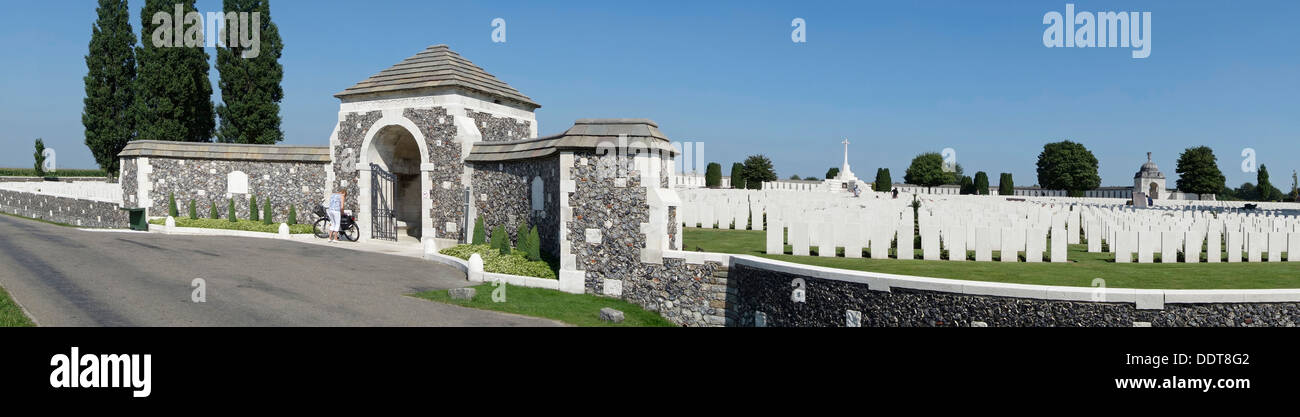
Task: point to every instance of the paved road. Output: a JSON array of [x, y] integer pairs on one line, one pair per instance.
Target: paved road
[[68, 277]]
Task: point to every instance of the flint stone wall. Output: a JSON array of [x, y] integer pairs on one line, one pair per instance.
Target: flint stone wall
[[827, 302], [297, 184], [684, 293], [76, 212], [499, 129], [503, 196], [351, 134], [447, 190], [128, 182]]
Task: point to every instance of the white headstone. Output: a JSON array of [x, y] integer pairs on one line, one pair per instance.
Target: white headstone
[[1276, 244], [1094, 238], [1234, 248], [1148, 244], [776, 240], [826, 240], [1009, 252], [1035, 244], [1293, 247], [1192, 242], [983, 249], [906, 237], [930, 243], [956, 242], [1124, 245], [1169, 243], [1058, 245], [847, 236], [799, 238], [1256, 244], [1213, 247]]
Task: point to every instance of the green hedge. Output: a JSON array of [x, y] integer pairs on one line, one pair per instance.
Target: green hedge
[[493, 261], [245, 225]]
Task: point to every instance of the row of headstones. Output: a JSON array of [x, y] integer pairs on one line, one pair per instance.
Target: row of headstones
[[1195, 243], [854, 238]]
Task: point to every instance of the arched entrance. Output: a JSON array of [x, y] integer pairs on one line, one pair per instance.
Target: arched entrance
[[1153, 191], [395, 210]]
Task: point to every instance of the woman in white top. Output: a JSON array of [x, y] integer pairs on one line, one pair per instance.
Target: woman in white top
[[334, 208]]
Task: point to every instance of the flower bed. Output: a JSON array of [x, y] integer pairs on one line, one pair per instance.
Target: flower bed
[[493, 261]]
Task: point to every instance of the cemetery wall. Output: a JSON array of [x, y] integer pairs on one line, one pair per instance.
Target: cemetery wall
[[297, 184], [762, 294], [67, 210], [504, 195], [606, 227]]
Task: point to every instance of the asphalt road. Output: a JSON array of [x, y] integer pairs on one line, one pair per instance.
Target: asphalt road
[[67, 277]]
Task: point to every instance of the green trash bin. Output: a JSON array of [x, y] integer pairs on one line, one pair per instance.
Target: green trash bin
[[138, 221]]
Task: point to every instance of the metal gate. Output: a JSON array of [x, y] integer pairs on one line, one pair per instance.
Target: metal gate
[[382, 224]]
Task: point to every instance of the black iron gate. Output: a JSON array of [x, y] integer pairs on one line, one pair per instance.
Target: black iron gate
[[382, 224]]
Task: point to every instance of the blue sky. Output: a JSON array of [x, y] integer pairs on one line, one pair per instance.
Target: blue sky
[[897, 78]]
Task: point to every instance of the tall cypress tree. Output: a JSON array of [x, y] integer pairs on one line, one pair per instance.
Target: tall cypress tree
[[110, 78], [173, 93], [250, 87]]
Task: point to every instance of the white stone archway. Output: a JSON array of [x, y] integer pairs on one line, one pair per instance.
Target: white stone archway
[[383, 142]]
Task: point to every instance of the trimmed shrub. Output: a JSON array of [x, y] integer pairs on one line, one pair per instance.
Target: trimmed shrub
[[713, 175], [293, 216], [480, 232], [212, 211], [230, 213], [252, 208], [737, 176], [521, 237], [266, 211], [500, 240], [981, 183], [194, 213], [171, 205], [534, 245]]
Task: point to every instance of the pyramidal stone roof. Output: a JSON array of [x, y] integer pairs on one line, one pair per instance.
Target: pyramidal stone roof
[[586, 134], [437, 67]]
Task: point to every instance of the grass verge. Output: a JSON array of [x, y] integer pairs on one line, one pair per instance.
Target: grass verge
[[1080, 271], [245, 225], [10, 314], [576, 309], [37, 220]]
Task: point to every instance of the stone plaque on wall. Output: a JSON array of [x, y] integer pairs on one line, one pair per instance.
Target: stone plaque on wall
[[237, 182]]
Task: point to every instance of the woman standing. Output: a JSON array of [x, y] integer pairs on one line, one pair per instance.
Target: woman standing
[[334, 209]]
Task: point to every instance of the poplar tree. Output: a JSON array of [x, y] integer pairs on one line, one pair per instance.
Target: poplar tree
[[250, 86], [110, 79], [173, 98]]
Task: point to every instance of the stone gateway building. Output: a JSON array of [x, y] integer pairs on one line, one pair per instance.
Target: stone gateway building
[[425, 147]]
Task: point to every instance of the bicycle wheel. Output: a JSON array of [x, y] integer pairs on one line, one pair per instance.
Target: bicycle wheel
[[351, 233], [321, 228]]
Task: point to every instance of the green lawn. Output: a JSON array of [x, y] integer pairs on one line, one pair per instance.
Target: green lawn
[[10, 314], [1082, 269], [242, 224], [577, 309]]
